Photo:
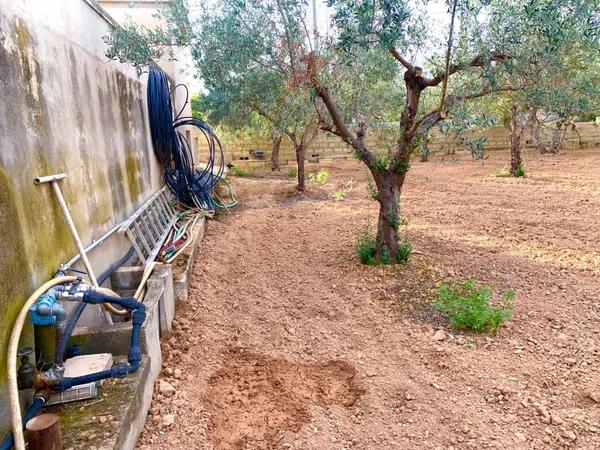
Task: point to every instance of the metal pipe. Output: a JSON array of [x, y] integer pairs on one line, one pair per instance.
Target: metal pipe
[[95, 243], [53, 180]]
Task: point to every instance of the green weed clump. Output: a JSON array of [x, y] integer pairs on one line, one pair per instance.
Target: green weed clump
[[520, 172], [238, 172], [338, 196], [469, 306], [293, 173], [322, 176], [366, 249]]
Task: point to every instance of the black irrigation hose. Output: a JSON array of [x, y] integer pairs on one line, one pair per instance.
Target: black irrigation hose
[[191, 187]]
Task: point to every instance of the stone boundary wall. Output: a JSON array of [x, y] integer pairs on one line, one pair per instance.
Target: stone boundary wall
[[326, 145]]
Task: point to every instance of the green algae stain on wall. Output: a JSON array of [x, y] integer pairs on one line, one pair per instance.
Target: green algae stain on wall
[[14, 271], [134, 176]]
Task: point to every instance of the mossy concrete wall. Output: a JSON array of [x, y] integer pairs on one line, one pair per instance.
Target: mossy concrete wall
[[65, 108]]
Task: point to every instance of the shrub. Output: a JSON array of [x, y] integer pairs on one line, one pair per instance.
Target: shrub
[[469, 306], [366, 247], [238, 172], [502, 173], [322, 176], [293, 173]]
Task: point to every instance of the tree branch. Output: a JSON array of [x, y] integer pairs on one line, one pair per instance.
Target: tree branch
[[448, 55], [338, 128], [477, 61], [399, 58]]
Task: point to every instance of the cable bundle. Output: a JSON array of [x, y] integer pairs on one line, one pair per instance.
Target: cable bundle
[[180, 236], [192, 188]]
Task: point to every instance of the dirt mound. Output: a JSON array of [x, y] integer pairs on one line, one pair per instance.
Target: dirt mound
[[253, 398]]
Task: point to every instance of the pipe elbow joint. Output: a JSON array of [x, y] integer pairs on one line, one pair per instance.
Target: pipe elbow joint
[[119, 371], [139, 314], [134, 355]]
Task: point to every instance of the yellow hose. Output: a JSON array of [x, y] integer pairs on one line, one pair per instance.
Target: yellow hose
[[13, 390], [147, 272]]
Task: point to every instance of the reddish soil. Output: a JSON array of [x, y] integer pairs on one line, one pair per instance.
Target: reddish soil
[[288, 342]]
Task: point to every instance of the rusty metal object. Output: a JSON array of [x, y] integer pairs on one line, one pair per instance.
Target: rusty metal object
[[43, 433]]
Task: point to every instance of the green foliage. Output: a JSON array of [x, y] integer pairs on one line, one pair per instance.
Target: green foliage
[[402, 166], [502, 173], [469, 305], [322, 176], [394, 221], [196, 103], [380, 163], [139, 44], [366, 250], [239, 172], [372, 190], [338, 196], [404, 252], [520, 171], [293, 173]]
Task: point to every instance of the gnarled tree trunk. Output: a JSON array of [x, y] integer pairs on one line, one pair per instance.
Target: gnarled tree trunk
[[516, 132], [300, 151], [389, 186], [275, 152]]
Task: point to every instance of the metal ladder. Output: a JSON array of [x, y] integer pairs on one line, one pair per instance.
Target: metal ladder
[[148, 227]]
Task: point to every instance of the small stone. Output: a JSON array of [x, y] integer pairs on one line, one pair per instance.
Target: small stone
[[556, 420], [571, 361], [166, 388], [569, 435], [521, 437], [102, 419], [168, 420], [439, 335], [177, 373]]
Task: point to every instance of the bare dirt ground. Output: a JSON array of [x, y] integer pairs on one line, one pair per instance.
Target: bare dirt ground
[[288, 342]]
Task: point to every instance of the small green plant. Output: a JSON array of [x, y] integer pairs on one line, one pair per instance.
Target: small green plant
[[366, 248], [372, 190], [238, 172], [502, 173], [520, 171], [404, 252], [469, 305], [293, 173], [338, 196], [322, 176]]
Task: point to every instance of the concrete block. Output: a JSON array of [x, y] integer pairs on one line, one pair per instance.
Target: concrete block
[[181, 280], [123, 403], [160, 284], [126, 278]]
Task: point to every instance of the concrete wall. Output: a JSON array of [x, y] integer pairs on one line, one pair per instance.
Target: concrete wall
[[64, 109]]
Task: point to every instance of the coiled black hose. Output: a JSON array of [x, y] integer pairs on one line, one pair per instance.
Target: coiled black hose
[[191, 187]]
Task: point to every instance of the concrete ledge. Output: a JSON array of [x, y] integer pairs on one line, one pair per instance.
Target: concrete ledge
[[160, 285], [114, 420], [184, 264]]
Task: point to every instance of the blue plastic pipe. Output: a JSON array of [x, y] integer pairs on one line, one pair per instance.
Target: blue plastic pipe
[[9, 442]]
